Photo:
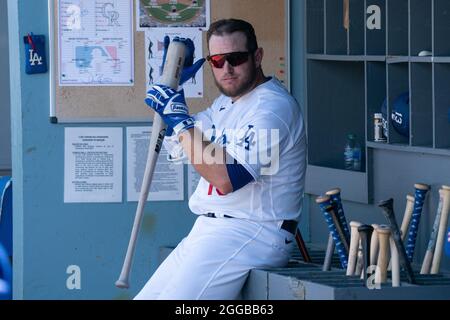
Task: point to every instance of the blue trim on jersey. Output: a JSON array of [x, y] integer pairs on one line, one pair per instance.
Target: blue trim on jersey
[[239, 176]]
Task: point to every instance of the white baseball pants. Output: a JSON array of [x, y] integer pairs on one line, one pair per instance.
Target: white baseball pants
[[213, 261]]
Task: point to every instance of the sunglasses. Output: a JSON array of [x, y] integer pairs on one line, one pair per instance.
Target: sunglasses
[[234, 59]]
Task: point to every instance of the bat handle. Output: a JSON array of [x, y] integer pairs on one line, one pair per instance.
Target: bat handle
[[329, 254], [302, 246], [365, 233], [419, 198]]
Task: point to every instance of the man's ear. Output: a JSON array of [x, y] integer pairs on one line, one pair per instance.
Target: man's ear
[[259, 54]]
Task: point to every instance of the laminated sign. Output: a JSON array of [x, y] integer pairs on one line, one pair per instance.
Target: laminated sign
[[35, 61]]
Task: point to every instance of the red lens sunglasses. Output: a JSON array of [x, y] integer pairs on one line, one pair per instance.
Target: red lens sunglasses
[[234, 59]]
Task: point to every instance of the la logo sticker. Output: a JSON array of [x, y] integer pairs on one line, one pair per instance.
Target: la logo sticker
[[34, 58]]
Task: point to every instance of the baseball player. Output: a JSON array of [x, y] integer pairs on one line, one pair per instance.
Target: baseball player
[[249, 148]]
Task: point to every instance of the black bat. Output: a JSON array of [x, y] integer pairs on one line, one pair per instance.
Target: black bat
[[388, 212]]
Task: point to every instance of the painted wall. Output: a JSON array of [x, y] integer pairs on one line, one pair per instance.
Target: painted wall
[[50, 236], [5, 122]]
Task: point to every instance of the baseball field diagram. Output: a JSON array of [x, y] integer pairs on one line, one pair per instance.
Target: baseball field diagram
[[173, 13]]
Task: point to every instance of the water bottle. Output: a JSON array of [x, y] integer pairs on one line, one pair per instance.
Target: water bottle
[[352, 153]]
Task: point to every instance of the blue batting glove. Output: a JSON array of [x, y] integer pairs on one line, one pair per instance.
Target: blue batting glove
[[171, 106], [190, 68]]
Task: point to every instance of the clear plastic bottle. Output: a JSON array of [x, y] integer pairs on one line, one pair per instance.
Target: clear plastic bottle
[[352, 153]]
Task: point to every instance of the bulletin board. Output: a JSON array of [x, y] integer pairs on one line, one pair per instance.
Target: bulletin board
[[126, 103]]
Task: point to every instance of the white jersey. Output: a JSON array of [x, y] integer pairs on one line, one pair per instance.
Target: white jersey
[[264, 131]]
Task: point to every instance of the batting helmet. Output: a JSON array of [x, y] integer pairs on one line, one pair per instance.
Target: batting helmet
[[399, 114]]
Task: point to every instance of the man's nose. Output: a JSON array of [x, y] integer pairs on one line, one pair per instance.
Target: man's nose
[[228, 67]]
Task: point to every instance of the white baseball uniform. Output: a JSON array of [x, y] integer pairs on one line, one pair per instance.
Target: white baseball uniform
[[264, 131]]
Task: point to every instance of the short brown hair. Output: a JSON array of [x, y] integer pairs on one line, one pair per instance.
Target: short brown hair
[[228, 26]]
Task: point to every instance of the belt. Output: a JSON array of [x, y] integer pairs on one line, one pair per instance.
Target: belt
[[288, 225]]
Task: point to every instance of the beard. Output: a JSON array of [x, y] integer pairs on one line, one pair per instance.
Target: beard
[[246, 84]]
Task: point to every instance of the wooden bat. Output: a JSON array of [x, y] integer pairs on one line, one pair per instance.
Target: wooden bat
[[419, 198], [171, 76], [359, 261], [441, 233], [365, 234], [374, 245], [334, 227], [335, 195], [388, 212], [426, 264], [354, 244], [384, 233], [407, 215], [302, 246], [395, 263], [329, 254], [406, 219]]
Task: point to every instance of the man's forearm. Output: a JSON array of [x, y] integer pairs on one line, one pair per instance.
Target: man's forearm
[[208, 159]]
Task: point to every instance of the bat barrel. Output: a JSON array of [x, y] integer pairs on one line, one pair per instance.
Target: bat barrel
[[354, 244], [388, 212], [326, 207], [335, 195], [426, 264], [441, 233], [329, 254]]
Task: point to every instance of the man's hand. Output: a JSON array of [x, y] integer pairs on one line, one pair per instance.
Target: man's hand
[[190, 68], [171, 106]]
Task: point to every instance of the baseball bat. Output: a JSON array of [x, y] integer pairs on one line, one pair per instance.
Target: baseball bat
[[354, 244], [335, 195], [327, 209], [426, 264], [407, 215], [302, 246], [359, 261], [395, 264], [406, 219], [365, 234], [170, 77], [383, 255], [374, 245], [388, 212], [329, 254], [441, 233], [419, 198]]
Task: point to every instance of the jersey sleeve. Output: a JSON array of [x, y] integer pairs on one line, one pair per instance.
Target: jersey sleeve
[[258, 144]]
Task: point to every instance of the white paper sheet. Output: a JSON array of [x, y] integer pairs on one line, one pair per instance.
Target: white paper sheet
[[154, 46], [93, 165], [193, 179], [95, 42], [168, 178]]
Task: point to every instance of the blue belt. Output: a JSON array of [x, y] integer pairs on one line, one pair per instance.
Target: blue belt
[[288, 225]]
